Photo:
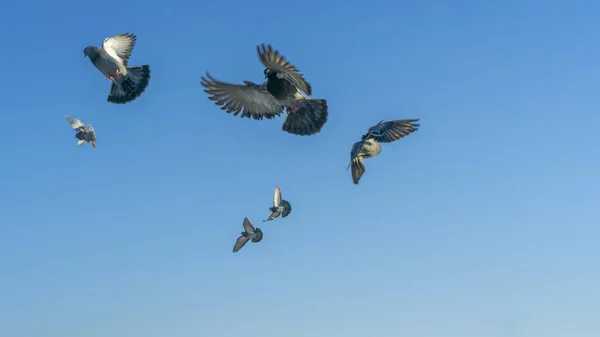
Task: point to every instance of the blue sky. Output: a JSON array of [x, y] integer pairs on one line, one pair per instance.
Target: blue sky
[[482, 223]]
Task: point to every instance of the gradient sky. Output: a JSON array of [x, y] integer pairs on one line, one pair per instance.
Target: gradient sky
[[484, 223]]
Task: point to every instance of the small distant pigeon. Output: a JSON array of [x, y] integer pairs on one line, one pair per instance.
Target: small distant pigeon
[[280, 206], [84, 136], [249, 233], [369, 146], [283, 89], [128, 83]]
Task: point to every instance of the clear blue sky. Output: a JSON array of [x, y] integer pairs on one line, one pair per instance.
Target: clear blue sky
[[485, 222]]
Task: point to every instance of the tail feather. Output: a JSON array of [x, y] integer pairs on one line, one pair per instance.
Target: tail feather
[[358, 169], [308, 119], [131, 87], [287, 208]]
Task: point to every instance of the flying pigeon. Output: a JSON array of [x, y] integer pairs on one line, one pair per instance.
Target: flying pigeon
[[84, 136], [369, 146], [280, 206], [282, 89], [249, 233], [128, 83]]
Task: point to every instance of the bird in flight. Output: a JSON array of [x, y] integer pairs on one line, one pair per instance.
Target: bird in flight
[[281, 90], [128, 83], [370, 145]]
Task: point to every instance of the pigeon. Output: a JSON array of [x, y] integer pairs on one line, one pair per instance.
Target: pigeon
[[249, 233], [84, 136], [128, 83], [369, 146], [282, 88], [280, 206]]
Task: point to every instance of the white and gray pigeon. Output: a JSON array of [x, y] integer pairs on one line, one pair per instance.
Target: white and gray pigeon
[[84, 136], [249, 234], [128, 83], [280, 206], [369, 146], [282, 90]]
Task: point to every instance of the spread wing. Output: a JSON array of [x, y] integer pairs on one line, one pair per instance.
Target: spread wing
[[120, 46], [250, 99], [386, 132], [277, 197], [248, 226], [76, 124], [275, 61], [239, 243]]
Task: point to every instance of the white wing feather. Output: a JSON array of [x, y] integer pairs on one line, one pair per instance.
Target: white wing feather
[[119, 47], [75, 123], [277, 197]]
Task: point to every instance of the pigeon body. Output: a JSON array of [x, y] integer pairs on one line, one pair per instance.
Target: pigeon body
[[282, 90], [112, 60], [280, 206], [370, 145], [84, 135], [249, 234]]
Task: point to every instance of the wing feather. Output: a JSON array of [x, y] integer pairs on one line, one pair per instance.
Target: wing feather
[[277, 197], [239, 243], [120, 47], [273, 60], [250, 99], [248, 226], [386, 132], [76, 124]]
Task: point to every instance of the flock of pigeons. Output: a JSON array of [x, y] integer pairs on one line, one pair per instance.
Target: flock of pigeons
[[282, 91]]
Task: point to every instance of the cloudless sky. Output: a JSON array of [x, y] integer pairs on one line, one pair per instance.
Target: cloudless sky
[[483, 223]]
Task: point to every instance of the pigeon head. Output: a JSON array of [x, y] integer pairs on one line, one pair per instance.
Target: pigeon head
[[90, 51], [268, 72]]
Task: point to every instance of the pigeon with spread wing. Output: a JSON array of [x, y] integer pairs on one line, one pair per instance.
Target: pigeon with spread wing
[[84, 135], [370, 145], [128, 83], [280, 206], [249, 234], [282, 90]]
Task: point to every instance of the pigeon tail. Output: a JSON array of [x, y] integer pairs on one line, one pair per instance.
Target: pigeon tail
[[131, 87], [259, 235], [287, 208], [308, 119]]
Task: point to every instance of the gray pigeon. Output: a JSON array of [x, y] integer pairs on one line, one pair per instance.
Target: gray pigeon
[[283, 89], [370, 145], [249, 233], [84, 136], [128, 83], [280, 206]]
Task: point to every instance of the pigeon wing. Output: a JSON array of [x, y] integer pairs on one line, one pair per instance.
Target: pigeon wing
[[272, 216], [239, 243], [277, 197], [120, 46], [76, 124], [387, 132], [354, 152], [250, 99], [358, 169], [275, 61], [248, 226]]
